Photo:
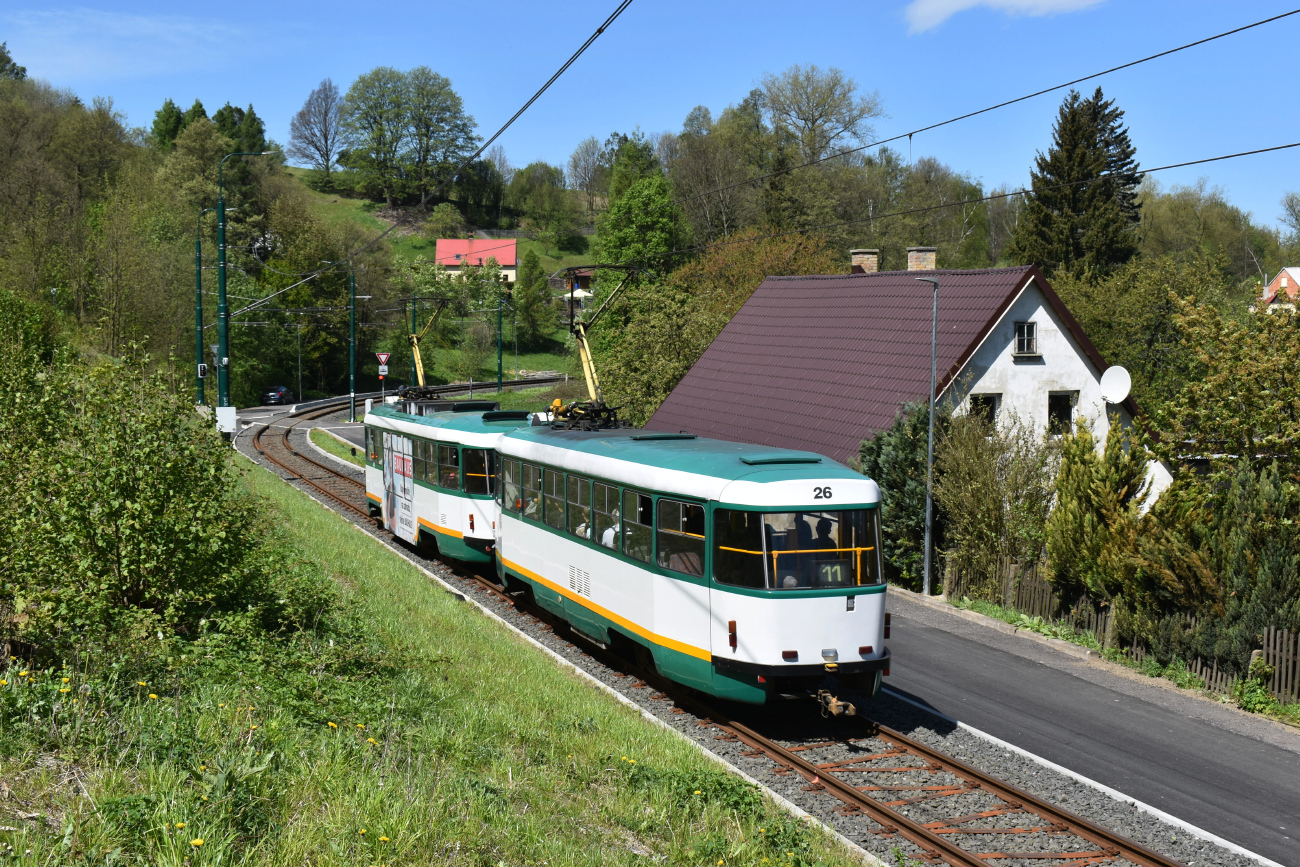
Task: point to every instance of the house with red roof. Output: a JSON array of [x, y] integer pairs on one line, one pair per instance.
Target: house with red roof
[[452, 253], [822, 362], [1282, 288]]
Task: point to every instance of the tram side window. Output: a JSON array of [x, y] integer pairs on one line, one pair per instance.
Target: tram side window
[[681, 537], [417, 459], [553, 499], [532, 492], [448, 467], [638, 525], [579, 500], [478, 471], [509, 494], [738, 548], [605, 511], [431, 462]]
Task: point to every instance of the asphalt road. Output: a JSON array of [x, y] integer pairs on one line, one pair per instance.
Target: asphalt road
[[1230, 774]]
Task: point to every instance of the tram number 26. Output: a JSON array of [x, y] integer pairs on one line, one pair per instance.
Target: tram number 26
[[822, 493]]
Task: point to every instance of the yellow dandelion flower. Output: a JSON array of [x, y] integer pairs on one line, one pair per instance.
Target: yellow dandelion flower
[[180, 824], [254, 728], [361, 725], [4, 683], [331, 725], [383, 839], [66, 679], [632, 761], [141, 683], [372, 740], [196, 842], [65, 689], [363, 830], [697, 791], [152, 695], [22, 674], [221, 705]]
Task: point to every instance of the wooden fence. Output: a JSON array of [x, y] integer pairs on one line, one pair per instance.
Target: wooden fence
[[1282, 651], [1025, 589]]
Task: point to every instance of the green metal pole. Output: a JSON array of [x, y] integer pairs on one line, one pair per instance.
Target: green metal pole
[[352, 346], [223, 311], [499, 301], [198, 309]]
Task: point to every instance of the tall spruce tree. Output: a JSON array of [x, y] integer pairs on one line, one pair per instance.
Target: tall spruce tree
[[1082, 212], [167, 123]]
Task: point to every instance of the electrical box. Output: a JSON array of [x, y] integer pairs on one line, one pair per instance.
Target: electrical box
[[226, 419]]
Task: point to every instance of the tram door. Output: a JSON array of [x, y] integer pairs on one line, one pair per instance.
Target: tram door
[[399, 488]]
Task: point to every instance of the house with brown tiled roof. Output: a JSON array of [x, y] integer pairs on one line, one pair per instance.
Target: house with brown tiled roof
[[822, 362]]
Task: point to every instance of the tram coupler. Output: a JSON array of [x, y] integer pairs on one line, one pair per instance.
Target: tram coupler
[[832, 706]]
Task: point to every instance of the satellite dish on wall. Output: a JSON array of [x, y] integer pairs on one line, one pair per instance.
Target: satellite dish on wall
[[1115, 384]]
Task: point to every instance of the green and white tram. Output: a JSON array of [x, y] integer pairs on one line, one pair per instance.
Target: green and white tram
[[742, 571], [430, 470]]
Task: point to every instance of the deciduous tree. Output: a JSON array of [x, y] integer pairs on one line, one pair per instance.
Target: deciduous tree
[[375, 117], [823, 110], [440, 134], [316, 131]]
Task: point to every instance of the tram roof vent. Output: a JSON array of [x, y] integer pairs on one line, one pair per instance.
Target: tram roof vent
[[760, 460], [507, 415], [663, 436]]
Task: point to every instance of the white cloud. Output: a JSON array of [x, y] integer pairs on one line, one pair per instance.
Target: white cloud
[[64, 45], [925, 15]]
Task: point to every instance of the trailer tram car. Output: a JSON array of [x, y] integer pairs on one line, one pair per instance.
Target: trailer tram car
[[746, 573], [430, 470]]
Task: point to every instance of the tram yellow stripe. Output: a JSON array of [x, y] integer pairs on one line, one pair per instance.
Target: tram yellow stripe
[[374, 498], [661, 640], [446, 531]]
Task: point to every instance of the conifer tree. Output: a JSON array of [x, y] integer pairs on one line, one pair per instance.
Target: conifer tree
[[1082, 212], [167, 122]]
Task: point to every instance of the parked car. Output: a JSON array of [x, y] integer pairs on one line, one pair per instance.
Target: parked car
[[274, 394]]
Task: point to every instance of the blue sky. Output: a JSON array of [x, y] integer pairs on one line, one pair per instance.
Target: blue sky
[[929, 60]]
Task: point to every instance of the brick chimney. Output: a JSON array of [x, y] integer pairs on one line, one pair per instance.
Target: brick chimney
[[920, 258], [864, 261]]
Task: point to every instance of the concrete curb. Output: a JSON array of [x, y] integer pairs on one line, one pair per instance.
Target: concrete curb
[[940, 603]]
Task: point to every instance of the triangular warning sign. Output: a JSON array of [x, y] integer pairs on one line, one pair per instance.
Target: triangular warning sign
[[383, 357]]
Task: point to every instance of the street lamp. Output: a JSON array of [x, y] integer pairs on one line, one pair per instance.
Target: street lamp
[[223, 311], [929, 457]]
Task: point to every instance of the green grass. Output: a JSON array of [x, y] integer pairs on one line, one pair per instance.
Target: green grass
[[1059, 629], [427, 733], [336, 448]]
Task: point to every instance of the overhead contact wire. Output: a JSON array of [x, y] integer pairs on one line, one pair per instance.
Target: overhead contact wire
[[990, 108]]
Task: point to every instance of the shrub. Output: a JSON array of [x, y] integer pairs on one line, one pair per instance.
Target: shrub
[[123, 522], [896, 459], [995, 485]]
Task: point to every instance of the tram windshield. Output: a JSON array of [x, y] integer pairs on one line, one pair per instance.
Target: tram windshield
[[796, 550]]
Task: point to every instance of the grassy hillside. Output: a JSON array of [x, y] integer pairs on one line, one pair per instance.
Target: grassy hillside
[[334, 208], [420, 732]]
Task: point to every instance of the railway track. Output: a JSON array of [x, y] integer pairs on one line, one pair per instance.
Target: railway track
[[938, 809], [339, 487]]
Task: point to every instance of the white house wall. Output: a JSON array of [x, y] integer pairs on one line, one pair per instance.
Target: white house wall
[[1025, 383]]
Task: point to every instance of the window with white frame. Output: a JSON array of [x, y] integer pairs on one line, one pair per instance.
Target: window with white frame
[[1026, 338]]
